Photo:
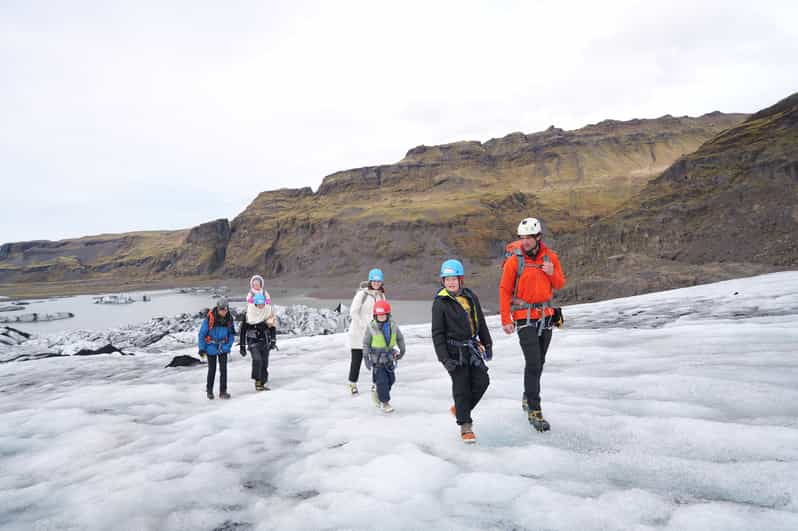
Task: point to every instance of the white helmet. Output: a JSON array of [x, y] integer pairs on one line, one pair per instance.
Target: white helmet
[[529, 227]]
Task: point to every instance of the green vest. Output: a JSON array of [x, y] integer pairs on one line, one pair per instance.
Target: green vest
[[378, 338]]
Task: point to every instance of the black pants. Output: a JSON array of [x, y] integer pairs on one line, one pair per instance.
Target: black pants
[[469, 383], [212, 372], [534, 348], [260, 360], [354, 367]]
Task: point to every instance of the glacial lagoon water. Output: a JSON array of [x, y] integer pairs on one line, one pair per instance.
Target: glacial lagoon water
[[91, 316]]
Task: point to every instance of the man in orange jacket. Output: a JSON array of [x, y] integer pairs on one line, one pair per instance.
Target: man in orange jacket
[[530, 275]]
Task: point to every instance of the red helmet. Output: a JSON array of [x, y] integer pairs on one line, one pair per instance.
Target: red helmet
[[382, 308]]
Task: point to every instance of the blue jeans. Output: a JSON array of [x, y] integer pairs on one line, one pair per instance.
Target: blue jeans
[[384, 378]]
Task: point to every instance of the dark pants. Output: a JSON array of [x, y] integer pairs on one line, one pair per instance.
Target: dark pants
[[469, 383], [384, 378], [260, 360], [222, 372], [534, 348], [354, 367]]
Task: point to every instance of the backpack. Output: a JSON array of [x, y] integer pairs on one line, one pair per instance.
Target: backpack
[[513, 249], [212, 323]]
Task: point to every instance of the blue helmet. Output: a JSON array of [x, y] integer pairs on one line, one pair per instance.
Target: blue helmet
[[452, 268], [259, 298], [376, 275]]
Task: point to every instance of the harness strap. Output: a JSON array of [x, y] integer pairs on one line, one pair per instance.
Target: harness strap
[[470, 346], [383, 357], [520, 304], [519, 270], [456, 343]]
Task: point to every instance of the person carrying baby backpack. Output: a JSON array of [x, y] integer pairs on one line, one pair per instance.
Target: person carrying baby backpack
[[361, 311], [258, 332], [462, 343], [383, 347], [216, 337]]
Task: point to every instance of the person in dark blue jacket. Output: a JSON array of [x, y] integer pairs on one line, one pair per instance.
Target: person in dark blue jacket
[[216, 337]]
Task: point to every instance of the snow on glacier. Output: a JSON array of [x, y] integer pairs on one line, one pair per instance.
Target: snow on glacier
[[674, 410]]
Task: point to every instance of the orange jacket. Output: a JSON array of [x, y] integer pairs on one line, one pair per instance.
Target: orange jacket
[[534, 286]]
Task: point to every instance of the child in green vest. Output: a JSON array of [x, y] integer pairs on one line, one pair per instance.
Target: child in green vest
[[383, 346]]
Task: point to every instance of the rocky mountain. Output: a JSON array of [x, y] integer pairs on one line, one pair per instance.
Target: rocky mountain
[[150, 254], [461, 199], [729, 209]]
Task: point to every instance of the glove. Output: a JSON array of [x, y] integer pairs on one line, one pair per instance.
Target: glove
[[397, 354], [273, 338], [202, 355], [489, 353], [557, 319], [243, 351], [450, 365]]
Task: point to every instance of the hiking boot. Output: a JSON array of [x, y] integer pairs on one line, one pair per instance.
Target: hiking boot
[[224, 395], [386, 407], [537, 421], [259, 386], [353, 388], [210, 395], [467, 433]]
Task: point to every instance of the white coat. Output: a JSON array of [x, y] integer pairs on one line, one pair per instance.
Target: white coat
[[361, 312]]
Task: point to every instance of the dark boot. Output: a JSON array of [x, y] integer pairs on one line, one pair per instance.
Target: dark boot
[[537, 421]]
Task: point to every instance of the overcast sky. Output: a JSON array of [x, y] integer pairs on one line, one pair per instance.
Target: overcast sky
[[120, 116]]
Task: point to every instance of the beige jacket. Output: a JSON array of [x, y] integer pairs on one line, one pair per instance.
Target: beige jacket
[[361, 312]]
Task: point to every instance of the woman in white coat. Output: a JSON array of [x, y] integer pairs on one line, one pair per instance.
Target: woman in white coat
[[361, 310]]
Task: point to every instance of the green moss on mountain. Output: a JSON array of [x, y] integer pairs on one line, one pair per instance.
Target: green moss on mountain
[[729, 208], [462, 199]]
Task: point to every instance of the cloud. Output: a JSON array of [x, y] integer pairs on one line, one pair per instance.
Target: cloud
[[110, 102]]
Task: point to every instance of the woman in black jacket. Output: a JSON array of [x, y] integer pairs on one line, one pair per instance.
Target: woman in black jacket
[[462, 343]]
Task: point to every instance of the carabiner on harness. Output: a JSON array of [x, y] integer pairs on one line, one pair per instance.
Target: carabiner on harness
[[540, 323], [475, 356]]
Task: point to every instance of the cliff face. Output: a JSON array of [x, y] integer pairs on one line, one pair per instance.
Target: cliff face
[[589, 171], [728, 209], [138, 255], [462, 199], [204, 249]]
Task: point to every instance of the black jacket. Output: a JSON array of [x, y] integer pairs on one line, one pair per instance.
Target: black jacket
[[450, 321], [257, 332]]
